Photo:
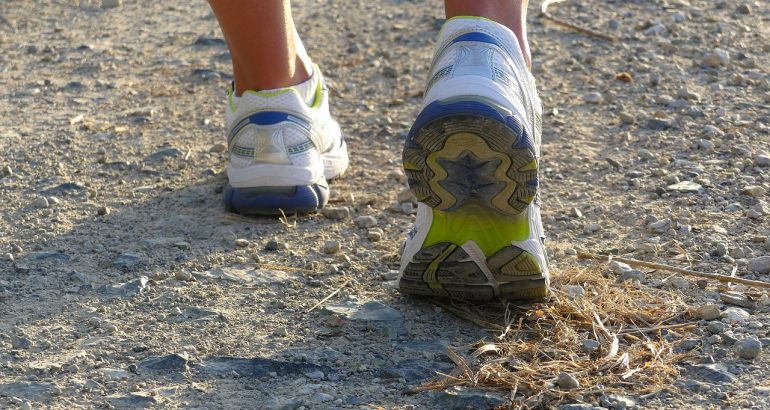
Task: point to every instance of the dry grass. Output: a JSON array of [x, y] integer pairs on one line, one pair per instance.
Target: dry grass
[[537, 342]]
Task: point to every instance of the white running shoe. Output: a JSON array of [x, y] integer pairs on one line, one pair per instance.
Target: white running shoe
[[282, 150], [472, 162]]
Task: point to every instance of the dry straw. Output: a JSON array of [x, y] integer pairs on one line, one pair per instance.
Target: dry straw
[[535, 343]]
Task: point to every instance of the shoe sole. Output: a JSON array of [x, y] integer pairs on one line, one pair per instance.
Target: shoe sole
[[475, 165], [273, 201]]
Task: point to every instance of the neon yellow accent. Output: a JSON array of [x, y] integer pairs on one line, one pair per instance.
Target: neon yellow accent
[[490, 229], [429, 276], [455, 145], [319, 87], [230, 92], [531, 166]]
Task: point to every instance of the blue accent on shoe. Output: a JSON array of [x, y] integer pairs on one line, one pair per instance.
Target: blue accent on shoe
[[477, 37], [441, 109], [267, 118], [270, 201]]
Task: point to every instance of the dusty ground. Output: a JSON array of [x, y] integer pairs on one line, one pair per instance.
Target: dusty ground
[[123, 282]]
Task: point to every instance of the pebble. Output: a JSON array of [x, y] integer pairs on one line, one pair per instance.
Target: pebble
[[737, 299], [336, 213], [627, 118], [760, 264], [170, 152], [375, 235], [322, 397], [659, 124], [273, 245], [40, 202], [716, 58], [103, 210], [736, 315], [762, 160], [407, 208], [685, 187], [566, 381], [111, 4], [744, 9], [184, 276], [709, 312], [128, 261], [6, 171], [331, 247], [593, 98], [590, 345], [755, 191], [593, 227], [218, 147], [242, 243], [171, 362], [366, 221], [661, 226], [574, 291], [616, 402], [748, 348], [716, 327]]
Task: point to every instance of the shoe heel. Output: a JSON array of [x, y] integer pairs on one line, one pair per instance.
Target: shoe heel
[[468, 150], [270, 201]]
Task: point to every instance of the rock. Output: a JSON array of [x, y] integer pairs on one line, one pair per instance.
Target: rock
[[762, 160], [53, 201], [615, 163], [716, 58], [715, 373], [259, 368], [375, 234], [111, 4], [590, 345], [40, 202], [737, 299], [619, 268], [677, 282], [366, 221], [593, 227], [736, 315], [685, 187], [129, 261], [760, 264], [6, 171], [616, 402], [131, 288], [50, 256], [242, 243], [132, 401], [566, 382], [20, 342], [169, 363], [184, 276], [218, 147], [655, 29], [748, 348], [659, 124], [461, 398], [764, 300], [709, 312], [265, 277], [321, 397], [721, 249], [716, 327], [627, 118], [712, 131], [755, 191], [744, 9], [371, 315], [336, 213], [406, 195], [103, 210], [273, 245], [661, 226], [593, 98], [574, 291], [157, 156], [27, 390], [415, 370], [331, 247]]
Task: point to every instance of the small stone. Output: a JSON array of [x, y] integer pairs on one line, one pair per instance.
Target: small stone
[[40, 202], [322, 397], [748, 348], [366, 221], [661, 226], [111, 4], [685, 187], [744, 9], [590, 345], [762, 160], [677, 282], [716, 327], [616, 402], [407, 208], [406, 195], [242, 243], [593, 98], [281, 331], [53, 201], [627, 118], [737, 299], [717, 58], [576, 213], [314, 374], [20, 342], [103, 210], [709, 312], [218, 147], [171, 362], [336, 213], [659, 124], [566, 381], [764, 300], [755, 191], [128, 261], [760, 264], [736, 315], [397, 175], [574, 291], [6, 171], [160, 155], [331, 247], [655, 29], [615, 163], [721, 249], [184, 276], [375, 235], [273, 245]]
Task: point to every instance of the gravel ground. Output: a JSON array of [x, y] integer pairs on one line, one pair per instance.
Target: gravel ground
[[125, 284]]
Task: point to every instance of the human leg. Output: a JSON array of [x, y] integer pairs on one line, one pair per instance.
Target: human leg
[[471, 158], [283, 144]]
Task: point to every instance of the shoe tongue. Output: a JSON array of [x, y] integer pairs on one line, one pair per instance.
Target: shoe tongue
[[461, 25]]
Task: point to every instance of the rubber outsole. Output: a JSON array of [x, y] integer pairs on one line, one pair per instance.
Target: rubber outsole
[[476, 166], [470, 151], [271, 201]]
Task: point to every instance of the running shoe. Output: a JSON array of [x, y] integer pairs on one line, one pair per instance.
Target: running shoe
[[471, 158], [283, 149]]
